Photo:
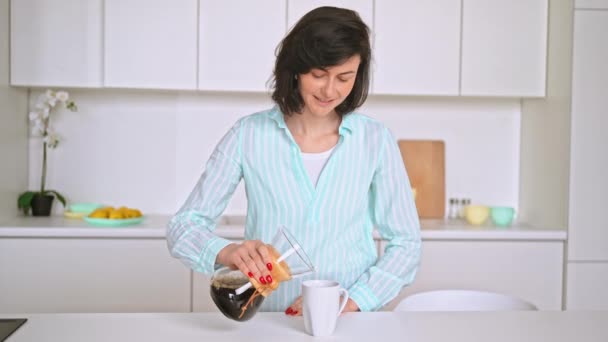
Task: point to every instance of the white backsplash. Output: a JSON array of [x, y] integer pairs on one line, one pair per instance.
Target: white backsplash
[[147, 149]]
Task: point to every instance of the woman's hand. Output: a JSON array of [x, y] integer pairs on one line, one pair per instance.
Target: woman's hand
[[295, 309], [250, 257]]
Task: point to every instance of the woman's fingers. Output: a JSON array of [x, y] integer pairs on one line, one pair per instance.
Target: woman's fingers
[[265, 254], [255, 264], [246, 264], [351, 306], [260, 262], [295, 309], [252, 258], [246, 257]]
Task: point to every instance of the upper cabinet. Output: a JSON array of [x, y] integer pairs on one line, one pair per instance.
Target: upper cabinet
[[237, 40], [417, 47], [504, 47], [432, 48], [56, 43], [297, 8], [151, 43]]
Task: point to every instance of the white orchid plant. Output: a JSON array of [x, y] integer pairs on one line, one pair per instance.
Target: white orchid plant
[[40, 119]]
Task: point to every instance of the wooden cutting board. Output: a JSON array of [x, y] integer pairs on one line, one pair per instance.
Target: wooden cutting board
[[425, 164]]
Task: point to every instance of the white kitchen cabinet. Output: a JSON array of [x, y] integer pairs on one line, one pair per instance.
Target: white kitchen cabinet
[[297, 8], [528, 270], [151, 44], [504, 48], [417, 47], [237, 40], [588, 230], [201, 297], [91, 275], [56, 43], [586, 286], [531, 270], [591, 4]]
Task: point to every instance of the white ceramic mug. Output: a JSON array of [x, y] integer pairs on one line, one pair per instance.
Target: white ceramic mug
[[321, 305]]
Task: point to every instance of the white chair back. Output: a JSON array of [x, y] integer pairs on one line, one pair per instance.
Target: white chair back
[[462, 300]]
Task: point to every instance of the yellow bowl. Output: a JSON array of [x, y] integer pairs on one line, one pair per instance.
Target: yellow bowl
[[476, 214], [73, 215]]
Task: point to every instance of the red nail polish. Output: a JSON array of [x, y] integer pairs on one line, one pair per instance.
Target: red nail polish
[[269, 266], [289, 311], [269, 279], [250, 275], [262, 280]]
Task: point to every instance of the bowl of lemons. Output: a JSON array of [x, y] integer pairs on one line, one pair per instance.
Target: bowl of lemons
[[114, 217]]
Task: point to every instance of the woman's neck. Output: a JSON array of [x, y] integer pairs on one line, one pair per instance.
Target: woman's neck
[[314, 134], [313, 126]]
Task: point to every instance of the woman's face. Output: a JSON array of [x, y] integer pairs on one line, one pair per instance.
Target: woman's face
[[324, 89]]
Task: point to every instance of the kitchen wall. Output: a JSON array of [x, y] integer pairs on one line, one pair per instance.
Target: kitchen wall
[[13, 127], [147, 149]]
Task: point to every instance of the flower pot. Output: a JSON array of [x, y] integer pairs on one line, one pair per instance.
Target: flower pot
[[42, 204]]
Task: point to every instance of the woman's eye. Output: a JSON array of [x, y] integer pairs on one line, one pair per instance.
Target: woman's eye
[[342, 79], [317, 75]]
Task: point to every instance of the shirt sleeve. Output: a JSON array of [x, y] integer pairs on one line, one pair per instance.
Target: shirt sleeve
[[190, 236], [394, 215]]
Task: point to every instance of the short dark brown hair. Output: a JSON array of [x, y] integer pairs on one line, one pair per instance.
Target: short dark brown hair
[[324, 37]]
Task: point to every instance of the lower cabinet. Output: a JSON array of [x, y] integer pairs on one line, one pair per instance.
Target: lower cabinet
[[201, 299], [91, 275], [586, 286], [530, 270], [40, 275]]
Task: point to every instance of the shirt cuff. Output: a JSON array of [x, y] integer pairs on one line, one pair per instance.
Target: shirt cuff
[[364, 297], [207, 258]]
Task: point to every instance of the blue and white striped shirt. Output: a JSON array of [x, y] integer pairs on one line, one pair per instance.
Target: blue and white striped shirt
[[363, 186]]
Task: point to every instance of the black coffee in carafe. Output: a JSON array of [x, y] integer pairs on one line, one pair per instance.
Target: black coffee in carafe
[[237, 307]]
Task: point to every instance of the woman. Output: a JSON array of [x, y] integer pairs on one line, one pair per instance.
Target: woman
[[314, 166]]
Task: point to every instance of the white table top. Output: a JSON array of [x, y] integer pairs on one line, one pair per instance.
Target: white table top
[[232, 227], [514, 326]]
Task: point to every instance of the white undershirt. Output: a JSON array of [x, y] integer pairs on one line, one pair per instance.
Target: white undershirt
[[314, 164]]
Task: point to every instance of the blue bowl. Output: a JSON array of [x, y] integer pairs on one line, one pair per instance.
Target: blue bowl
[[502, 216]]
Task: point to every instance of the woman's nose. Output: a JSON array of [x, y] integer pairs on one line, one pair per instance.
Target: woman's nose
[[329, 89]]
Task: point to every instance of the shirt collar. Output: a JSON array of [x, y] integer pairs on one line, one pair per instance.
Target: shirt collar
[[346, 126], [276, 115]]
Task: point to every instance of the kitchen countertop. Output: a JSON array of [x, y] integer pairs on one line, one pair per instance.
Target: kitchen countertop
[[506, 326], [231, 227]]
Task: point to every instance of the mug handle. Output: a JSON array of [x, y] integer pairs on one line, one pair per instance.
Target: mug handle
[[344, 294]]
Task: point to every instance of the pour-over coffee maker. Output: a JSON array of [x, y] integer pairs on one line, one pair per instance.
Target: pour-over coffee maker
[[239, 297]]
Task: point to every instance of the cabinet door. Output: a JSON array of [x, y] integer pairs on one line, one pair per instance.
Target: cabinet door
[[588, 230], [528, 270], [151, 44], [504, 47], [587, 284], [591, 4], [237, 40], [417, 47], [56, 43], [297, 8], [201, 299], [91, 275]]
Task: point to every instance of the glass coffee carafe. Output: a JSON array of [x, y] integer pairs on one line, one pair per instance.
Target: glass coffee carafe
[[239, 297]]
